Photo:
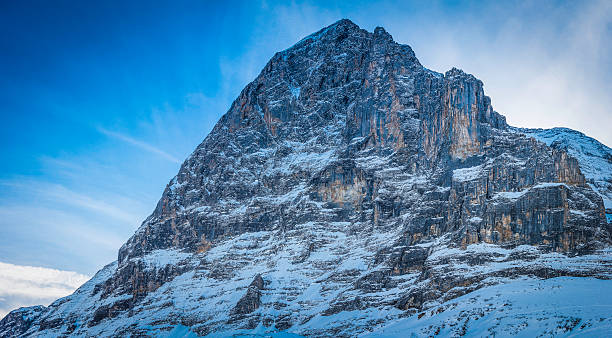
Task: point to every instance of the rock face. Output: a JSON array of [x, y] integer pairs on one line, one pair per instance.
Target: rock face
[[346, 188], [252, 299], [19, 321], [595, 158]]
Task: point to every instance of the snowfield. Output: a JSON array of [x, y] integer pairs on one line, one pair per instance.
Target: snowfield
[[557, 307]]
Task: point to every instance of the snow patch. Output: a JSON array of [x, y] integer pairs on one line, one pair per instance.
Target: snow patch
[[467, 174], [295, 91], [160, 258]]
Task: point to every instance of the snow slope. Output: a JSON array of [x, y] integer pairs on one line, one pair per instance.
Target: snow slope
[[559, 307]]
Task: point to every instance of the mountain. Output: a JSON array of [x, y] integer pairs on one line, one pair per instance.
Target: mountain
[[351, 191]]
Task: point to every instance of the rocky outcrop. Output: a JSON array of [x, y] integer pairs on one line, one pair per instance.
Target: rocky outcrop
[[362, 188], [594, 158], [19, 321], [110, 311], [252, 298]]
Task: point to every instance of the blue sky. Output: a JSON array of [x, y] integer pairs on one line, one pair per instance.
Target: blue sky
[[101, 101]]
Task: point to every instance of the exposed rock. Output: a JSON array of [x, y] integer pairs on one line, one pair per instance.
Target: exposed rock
[[350, 305], [252, 299], [110, 311], [19, 321]]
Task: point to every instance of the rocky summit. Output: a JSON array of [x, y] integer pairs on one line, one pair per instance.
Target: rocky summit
[[351, 191]]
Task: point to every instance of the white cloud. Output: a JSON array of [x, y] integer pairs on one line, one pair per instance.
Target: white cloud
[[29, 285], [50, 224], [140, 144], [60, 194]]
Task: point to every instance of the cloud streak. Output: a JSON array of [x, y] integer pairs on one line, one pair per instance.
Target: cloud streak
[[140, 144], [61, 195], [72, 228], [28, 285]]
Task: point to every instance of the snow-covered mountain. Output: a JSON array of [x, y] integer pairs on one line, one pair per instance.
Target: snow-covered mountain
[[350, 191]]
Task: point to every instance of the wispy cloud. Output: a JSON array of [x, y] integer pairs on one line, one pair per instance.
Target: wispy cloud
[[59, 194], [68, 227], [140, 144], [28, 285], [83, 205]]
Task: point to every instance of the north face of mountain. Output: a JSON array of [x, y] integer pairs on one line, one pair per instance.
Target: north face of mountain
[[338, 92], [346, 189]]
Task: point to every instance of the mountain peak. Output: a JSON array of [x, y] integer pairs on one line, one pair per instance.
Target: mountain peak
[[335, 32], [345, 29], [345, 23]]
